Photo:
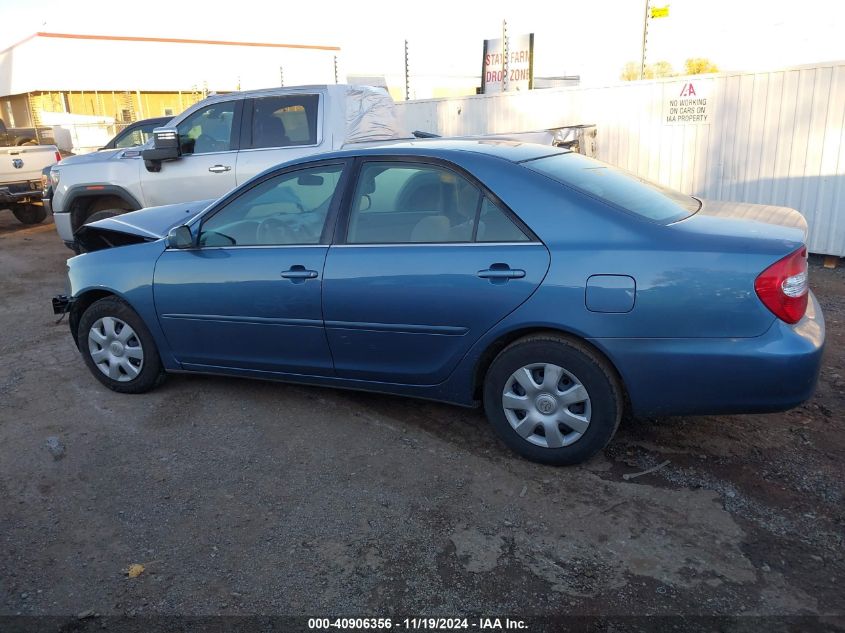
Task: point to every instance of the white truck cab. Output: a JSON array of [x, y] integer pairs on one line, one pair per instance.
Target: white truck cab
[[216, 145]]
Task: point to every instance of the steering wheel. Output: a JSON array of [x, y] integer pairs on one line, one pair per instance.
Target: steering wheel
[[204, 143], [272, 230]]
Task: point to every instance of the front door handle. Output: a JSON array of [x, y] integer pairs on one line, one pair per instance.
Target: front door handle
[[219, 169], [501, 272], [298, 274]]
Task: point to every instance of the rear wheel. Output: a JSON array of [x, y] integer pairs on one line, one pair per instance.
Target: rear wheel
[[29, 213], [552, 399], [118, 348]]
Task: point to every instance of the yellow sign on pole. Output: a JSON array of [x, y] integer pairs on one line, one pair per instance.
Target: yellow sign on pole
[[660, 12]]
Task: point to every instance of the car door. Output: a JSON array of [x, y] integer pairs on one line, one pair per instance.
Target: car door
[[428, 262], [248, 296], [280, 128], [209, 140]]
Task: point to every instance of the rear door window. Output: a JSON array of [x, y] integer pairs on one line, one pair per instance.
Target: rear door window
[[414, 203], [285, 121], [623, 189]]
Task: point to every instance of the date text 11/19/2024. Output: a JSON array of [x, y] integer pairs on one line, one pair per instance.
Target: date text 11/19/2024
[[430, 624]]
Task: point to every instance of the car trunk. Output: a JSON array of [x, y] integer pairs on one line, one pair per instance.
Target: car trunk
[[746, 220]]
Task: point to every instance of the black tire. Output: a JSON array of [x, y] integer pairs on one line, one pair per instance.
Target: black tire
[[29, 213], [102, 215], [152, 371], [592, 371]]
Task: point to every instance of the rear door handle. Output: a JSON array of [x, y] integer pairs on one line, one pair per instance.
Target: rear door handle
[[298, 274], [219, 169], [501, 271]]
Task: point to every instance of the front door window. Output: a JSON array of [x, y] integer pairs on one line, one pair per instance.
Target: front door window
[[208, 130]]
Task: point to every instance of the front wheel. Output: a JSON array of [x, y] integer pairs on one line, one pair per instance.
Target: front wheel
[[552, 399], [118, 348], [29, 213], [103, 214]]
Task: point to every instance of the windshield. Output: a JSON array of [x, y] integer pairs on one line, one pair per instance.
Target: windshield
[[623, 189]]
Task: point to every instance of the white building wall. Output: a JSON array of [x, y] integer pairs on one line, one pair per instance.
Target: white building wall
[[50, 63], [771, 137]]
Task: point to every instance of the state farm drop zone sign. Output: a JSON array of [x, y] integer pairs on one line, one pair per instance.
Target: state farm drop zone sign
[[687, 102], [519, 68]]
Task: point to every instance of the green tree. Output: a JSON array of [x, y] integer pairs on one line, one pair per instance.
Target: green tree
[[699, 66], [658, 70], [630, 72], [662, 69]]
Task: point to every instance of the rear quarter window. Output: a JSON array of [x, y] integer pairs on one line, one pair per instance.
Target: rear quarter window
[[623, 189]]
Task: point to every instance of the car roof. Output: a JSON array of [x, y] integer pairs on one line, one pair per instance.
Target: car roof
[[512, 151]]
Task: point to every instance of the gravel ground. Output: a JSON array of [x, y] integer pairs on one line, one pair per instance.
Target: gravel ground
[[245, 497]]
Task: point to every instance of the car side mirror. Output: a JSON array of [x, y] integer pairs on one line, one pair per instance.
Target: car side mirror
[[179, 237], [166, 146]]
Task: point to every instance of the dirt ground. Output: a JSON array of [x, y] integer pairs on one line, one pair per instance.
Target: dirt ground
[[243, 497]]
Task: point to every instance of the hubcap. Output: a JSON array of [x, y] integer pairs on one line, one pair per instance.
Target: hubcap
[[546, 405], [115, 349]]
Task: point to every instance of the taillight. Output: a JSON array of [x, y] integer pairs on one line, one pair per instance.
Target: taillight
[[58, 157], [783, 287]]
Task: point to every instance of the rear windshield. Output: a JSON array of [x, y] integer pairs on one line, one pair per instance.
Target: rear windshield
[[619, 187]]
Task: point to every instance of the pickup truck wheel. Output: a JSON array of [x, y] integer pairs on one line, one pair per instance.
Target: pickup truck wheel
[[102, 215], [29, 213], [118, 348]]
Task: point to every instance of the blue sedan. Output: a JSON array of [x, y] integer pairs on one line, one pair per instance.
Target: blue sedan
[[553, 289]]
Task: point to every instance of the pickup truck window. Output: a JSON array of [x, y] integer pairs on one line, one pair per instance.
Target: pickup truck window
[[138, 136], [208, 130], [285, 121]]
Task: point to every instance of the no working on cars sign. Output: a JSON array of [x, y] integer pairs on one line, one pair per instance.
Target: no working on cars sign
[[687, 102]]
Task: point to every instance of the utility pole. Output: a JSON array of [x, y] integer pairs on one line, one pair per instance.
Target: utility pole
[[282, 76], [645, 36], [407, 74], [335, 68], [505, 55]]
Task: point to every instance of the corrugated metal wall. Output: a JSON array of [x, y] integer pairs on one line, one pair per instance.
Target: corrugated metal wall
[[770, 137]]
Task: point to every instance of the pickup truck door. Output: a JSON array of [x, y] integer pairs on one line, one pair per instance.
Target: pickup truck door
[[280, 128], [206, 169]]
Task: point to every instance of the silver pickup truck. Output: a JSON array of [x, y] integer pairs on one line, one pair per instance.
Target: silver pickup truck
[[216, 145], [20, 180]]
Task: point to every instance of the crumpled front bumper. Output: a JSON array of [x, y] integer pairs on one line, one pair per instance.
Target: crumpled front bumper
[[61, 304]]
